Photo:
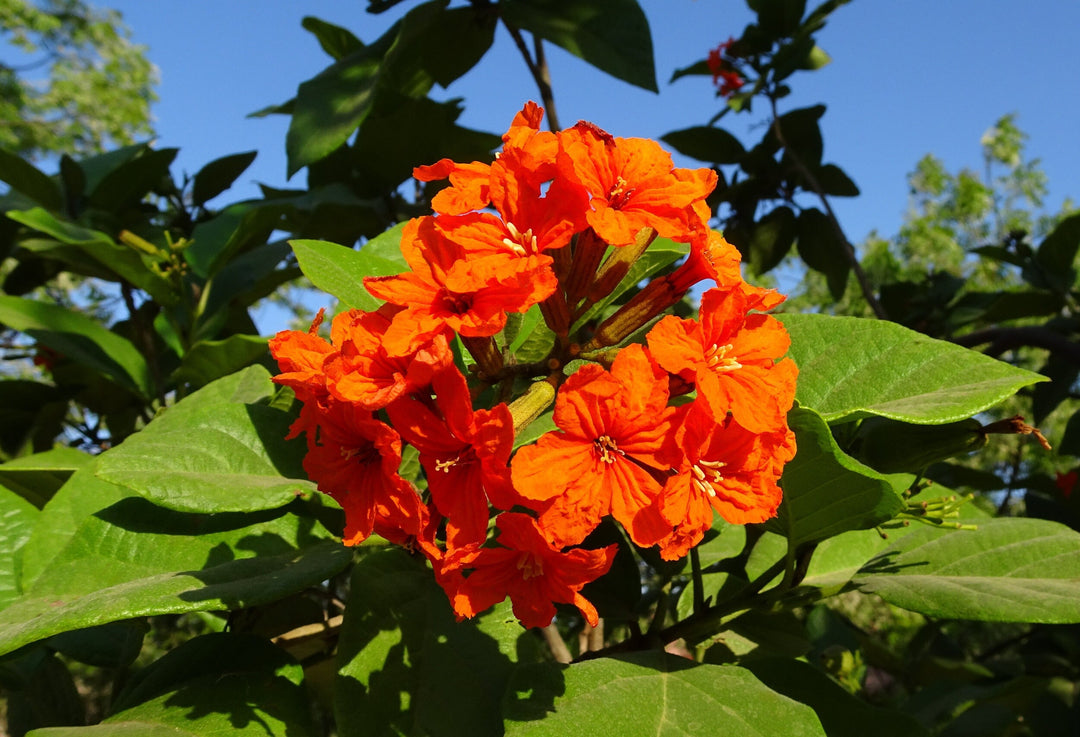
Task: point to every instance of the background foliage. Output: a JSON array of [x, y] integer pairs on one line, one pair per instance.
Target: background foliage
[[157, 526]]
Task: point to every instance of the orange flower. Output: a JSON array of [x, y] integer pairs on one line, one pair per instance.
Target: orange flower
[[614, 440], [354, 458], [731, 357], [362, 371], [528, 569], [632, 184], [725, 467], [464, 453], [301, 357], [446, 292]]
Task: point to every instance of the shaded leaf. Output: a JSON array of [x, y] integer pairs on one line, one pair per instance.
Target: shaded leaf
[[834, 181], [851, 368], [770, 239], [706, 143], [821, 247], [209, 360], [1008, 570], [612, 35], [81, 339], [36, 477], [401, 653], [130, 182], [25, 178], [1057, 252], [219, 175]]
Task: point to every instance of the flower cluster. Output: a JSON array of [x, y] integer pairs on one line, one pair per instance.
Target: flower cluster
[[656, 435], [724, 74]]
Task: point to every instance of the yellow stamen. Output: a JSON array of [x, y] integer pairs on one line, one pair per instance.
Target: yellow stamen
[[717, 359], [530, 566], [520, 243], [706, 475], [607, 448]]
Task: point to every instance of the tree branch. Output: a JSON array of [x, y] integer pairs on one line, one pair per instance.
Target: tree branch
[[1034, 336], [540, 73]]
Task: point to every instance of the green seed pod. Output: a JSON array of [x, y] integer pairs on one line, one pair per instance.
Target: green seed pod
[[893, 447]]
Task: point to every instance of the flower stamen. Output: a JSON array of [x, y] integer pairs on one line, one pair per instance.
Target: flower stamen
[[607, 448], [717, 359]]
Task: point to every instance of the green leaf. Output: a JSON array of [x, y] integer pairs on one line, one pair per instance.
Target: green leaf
[[336, 41], [81, 339], [135, 560], [130, 182], [826, 492], [1008, 570], [232, 458], [25, 178], [841, 714], [851, 368], [17, 518], [835, 182], [122, 261], [31, 416], [340, 271], [1057, 252], [209, 360], [706, 143], [112, 645], [816, 59], [771, 238], [820, 247], [612, 35], [401, 654], [230, 231], [802, 135], [260, 692], [431, 44], [651, 693], [37, 477], [219, 175]]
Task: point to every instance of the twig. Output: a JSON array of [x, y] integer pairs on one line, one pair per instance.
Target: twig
[[849, 250], [1033, 336], [539, 70], [555, 643]]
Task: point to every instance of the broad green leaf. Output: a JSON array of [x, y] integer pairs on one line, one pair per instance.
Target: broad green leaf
[[36, 477], [1008, 570], [650, 693], [827, 492], [612, 35], [211, 458], [136, 560], [219, 175], [209, 360], [841, 714], [260, 691], [25, 178], [121, 260], [851, 368], [81, 339], [401, 655], [340, 271], [44, 692], [96, 168], [17, 518], [706, 143], [81, 496]]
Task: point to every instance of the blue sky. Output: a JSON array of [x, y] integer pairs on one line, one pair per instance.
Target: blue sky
[[908, 77]]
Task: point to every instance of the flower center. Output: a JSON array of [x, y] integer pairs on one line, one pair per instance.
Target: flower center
[[518, 242], [607, 448], [717, 359], [461, 459], [530, 566], [619, 195], [363, 455], [707, 476], [458, 304]]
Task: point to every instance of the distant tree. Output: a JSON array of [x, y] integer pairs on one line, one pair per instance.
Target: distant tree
[[71, 81]]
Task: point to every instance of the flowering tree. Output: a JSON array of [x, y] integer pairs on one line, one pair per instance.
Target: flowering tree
[[555, 467]]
